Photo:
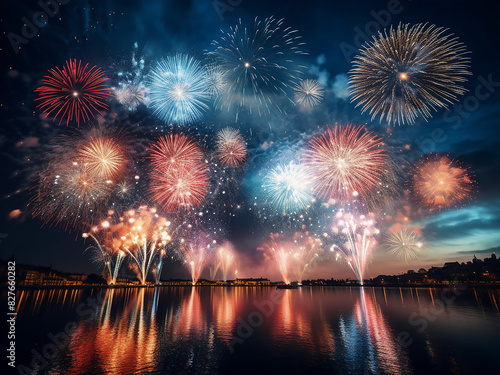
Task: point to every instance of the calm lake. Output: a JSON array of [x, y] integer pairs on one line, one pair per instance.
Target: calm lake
[[259, 330]]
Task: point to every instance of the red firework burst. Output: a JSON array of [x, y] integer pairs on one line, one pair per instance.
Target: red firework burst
[[180, 188], [441, 182], [175, 151], [180, 175], [75, 92], [231, 147], [345, 162]]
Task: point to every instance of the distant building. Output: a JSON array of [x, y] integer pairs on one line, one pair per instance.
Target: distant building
[[125, 281], [252, 282], [177, 282], [422, 270], [32, 275]]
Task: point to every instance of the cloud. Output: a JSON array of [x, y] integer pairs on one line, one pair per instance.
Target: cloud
[[340, 86], [484, 251], [322, 75], [459, 231]]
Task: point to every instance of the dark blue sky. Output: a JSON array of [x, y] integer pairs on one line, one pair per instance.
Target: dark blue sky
[[103, 32]]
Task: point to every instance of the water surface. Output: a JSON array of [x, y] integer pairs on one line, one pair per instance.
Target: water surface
[[260, 330]]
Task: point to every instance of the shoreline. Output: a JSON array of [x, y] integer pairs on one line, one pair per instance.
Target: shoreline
[[63, 287]]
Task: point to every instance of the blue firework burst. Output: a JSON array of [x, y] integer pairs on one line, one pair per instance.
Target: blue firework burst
[[179, 89]]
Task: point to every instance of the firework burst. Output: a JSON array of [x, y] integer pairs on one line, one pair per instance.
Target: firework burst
[[231, 147], [130, 90], [344, 162], [131, 95], [179, 90], [216, 79], [441, 182], [258, 64], [175, 152], [180, 176], [74, 93], [180, 188], [408, 72], [404, 244], [103, 157], [79, 177], [308, 93], [288, 187]]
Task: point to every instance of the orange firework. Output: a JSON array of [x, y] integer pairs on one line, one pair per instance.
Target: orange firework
[[231, 147], [103, 157], [345, 161], [441, 182], [76, 183]]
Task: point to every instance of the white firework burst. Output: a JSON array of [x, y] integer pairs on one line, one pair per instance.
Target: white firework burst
[[288, 187], [308, 94]]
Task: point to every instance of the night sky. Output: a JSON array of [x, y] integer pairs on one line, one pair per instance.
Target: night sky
[[104, 32]]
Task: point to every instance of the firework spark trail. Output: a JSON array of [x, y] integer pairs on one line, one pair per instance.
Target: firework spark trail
[[178, 90], [195, 253], [214, 268], [159, 266], [144, 235], [359, 232], [404, 244], [441, 182], [308, 94], [108, 253], [231, 147], [408, 72], [288, 187], [344, 162], [100, 256], [306, 251], [280, 251], [259, 65], [75, 92], [226, 258]]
